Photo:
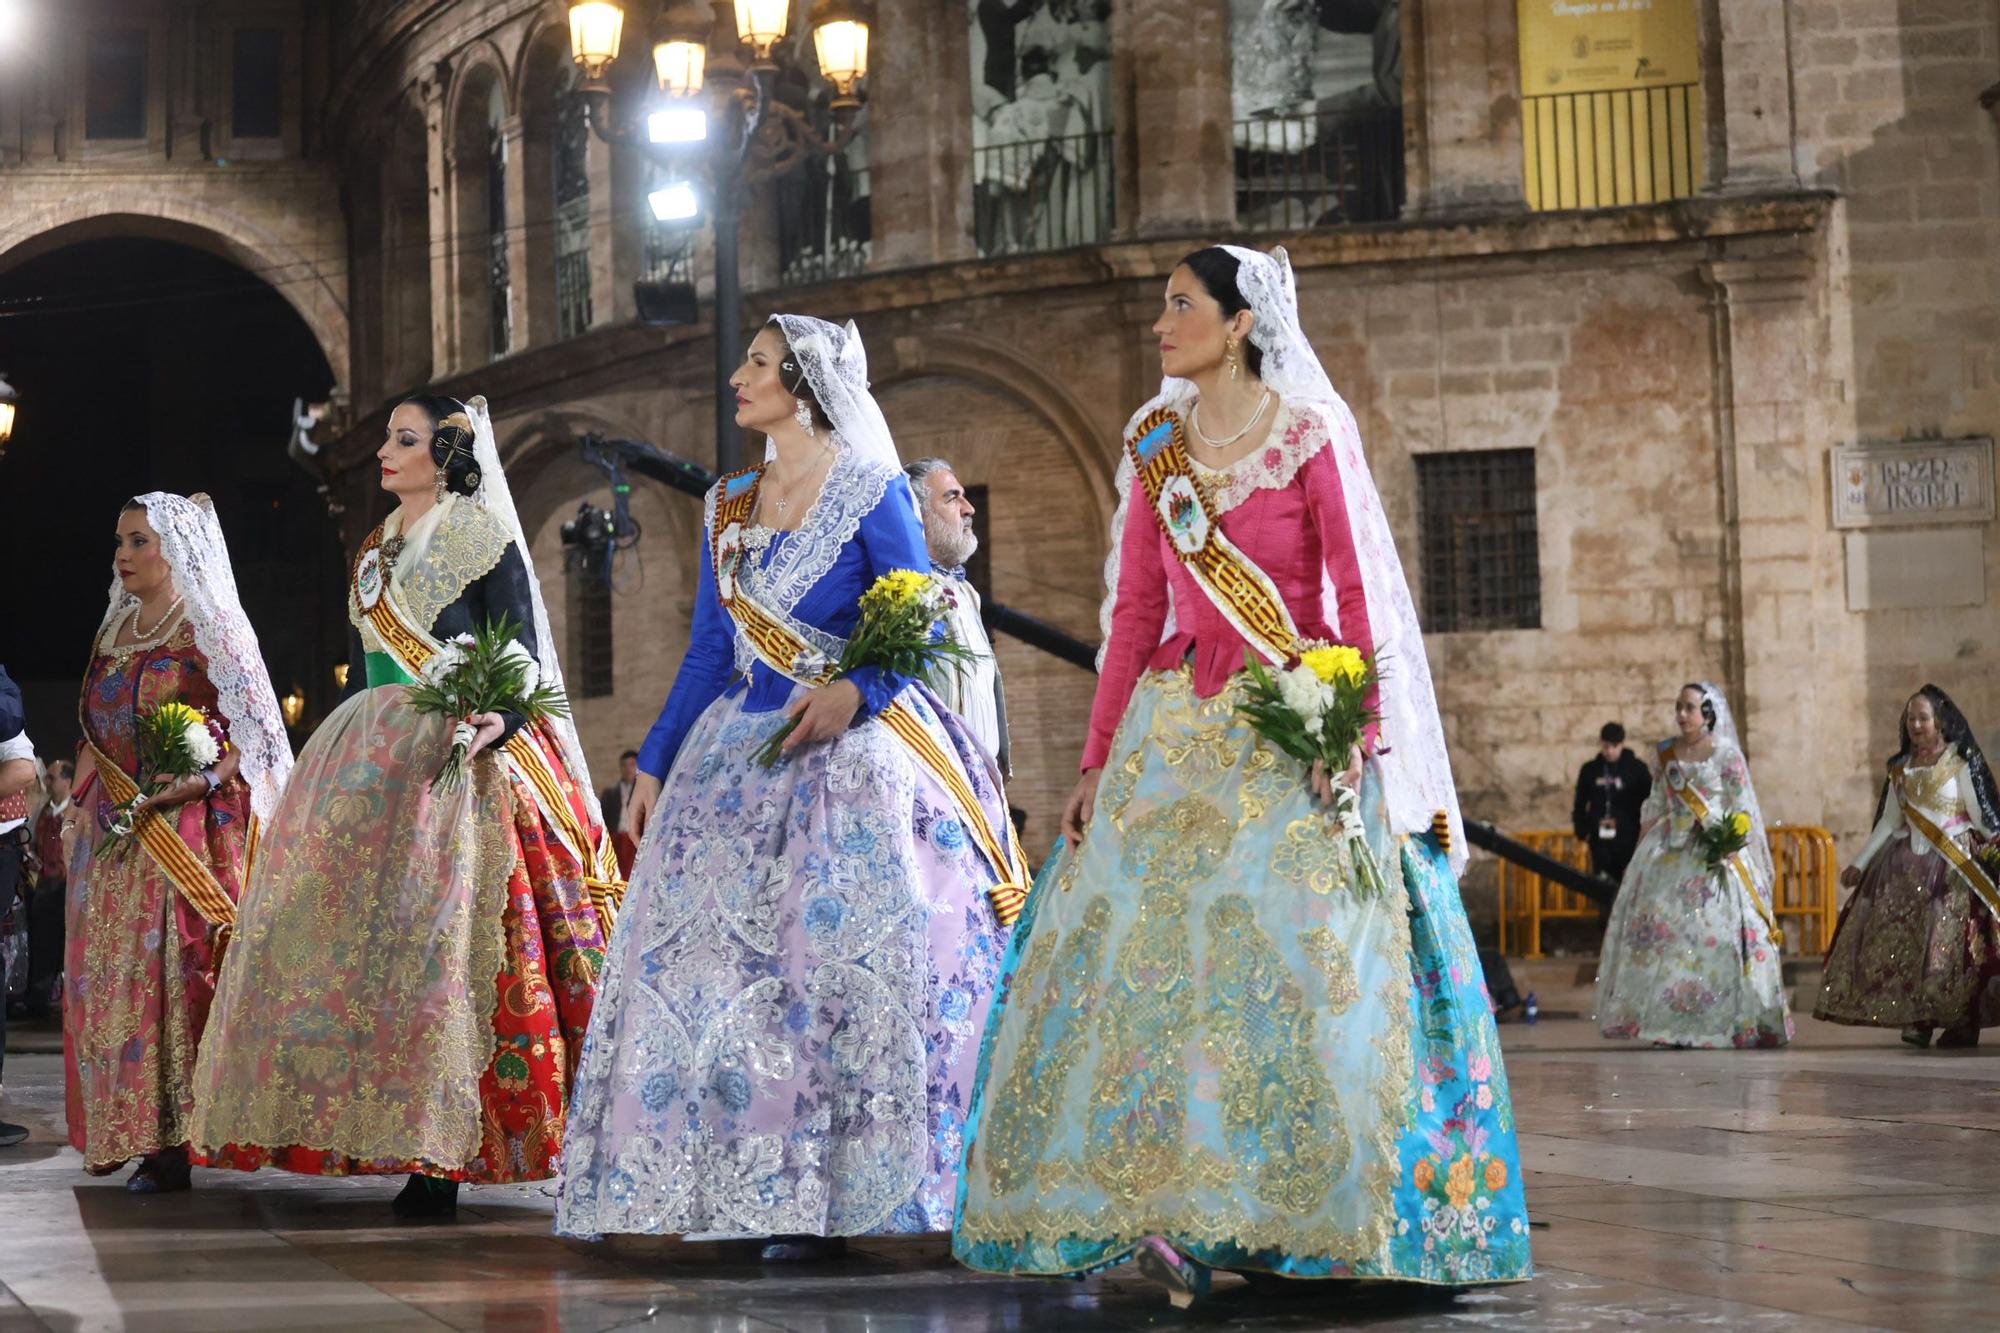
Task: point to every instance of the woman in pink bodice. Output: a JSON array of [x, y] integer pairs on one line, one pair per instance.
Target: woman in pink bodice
[[1218, 1043]]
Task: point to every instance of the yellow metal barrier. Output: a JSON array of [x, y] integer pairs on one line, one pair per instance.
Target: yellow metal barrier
[[1805, 898]]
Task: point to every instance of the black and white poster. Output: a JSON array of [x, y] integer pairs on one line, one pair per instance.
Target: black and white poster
[[1041, 98]]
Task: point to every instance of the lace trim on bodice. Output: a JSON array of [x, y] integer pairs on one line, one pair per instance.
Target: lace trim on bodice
[[1705, 776], [1940, 791], [176, 626], [464, 549], [1297, 433], [800, 559]]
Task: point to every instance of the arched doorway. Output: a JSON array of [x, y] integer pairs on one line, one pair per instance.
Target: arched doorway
[[148, 364]]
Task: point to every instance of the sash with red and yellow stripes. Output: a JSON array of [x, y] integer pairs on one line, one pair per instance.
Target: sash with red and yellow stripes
[[556, 796], [1240, 590], [188, 873], [1738, 862], [1975, 875], [791, 655]]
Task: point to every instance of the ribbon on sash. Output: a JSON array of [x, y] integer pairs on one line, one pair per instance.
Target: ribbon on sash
[[1736, 862], [1966, 865], [788, 652], [189, 875], [1240, 590], [413, 649]]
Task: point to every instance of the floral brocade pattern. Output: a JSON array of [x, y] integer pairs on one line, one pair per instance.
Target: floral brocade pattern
[[414, 971], [1187, 1046], [139, 961], [794, 993], [1687, 961]]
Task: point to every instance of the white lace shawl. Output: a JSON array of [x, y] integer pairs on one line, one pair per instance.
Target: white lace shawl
[[854, 485]]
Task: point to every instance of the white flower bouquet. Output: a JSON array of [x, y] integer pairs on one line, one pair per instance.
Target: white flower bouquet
[[486, 672]]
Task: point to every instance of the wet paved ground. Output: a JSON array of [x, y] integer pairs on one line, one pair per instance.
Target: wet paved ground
[[1847, 1182]]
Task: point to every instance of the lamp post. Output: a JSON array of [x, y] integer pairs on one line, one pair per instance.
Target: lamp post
[[8, 398], [718, 118]]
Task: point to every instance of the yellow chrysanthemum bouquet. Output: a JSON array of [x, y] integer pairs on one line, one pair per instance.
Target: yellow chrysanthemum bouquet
[[896, 633], [1722, 837], [175, 740], [1317, 711]]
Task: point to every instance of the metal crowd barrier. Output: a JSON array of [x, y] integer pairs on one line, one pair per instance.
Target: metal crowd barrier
[[1806, 898]]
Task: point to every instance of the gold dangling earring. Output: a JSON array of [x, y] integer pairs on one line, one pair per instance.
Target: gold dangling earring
[[802, 413], [440, 485], [1229, 355]]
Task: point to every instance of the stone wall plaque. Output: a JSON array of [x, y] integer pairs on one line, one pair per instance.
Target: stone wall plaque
[[1915, 483]]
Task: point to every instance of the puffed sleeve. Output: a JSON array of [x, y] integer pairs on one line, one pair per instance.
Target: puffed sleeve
[[891, 538], [1885, 828], [704, 673], [1137, 617]]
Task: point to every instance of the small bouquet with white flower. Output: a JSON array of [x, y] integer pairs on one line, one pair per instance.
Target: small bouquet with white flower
[[898, 616], [1317, 710], [486, 672], [175, 740], [1722, 838]]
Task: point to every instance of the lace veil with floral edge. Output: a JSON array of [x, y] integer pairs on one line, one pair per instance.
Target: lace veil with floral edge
[[198, 562], [1415, 766]]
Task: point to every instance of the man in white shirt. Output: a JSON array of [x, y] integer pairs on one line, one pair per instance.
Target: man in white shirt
[[972, 690], [17, 771]]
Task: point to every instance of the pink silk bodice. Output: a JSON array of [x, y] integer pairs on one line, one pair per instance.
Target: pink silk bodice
[[1293, 526]]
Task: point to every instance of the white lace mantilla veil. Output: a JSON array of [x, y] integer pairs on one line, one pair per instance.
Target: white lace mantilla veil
[[198, 561], [836, 368], [1759, 846], [497, 498], [1416, 768]]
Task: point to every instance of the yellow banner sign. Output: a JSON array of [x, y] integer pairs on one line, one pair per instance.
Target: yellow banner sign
[[1591, 46]]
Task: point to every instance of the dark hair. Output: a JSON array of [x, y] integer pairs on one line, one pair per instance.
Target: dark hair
[[1216, 268], [134, 503], [62, 768], [792, 375], [451, 443], [1957, 733], [1707, 704], [1612, 734], [629, 754]]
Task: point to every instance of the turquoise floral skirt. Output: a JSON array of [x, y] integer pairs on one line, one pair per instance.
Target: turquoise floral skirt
[[1204, 1032]]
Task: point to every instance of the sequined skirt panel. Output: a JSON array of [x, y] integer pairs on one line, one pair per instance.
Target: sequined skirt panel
[[794, 993], [1914, 947], [1205, 1032]]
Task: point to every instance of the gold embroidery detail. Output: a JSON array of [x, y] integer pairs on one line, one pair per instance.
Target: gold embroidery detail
[[1124, 784], [1056, 1029], [1265, 782], [1309, 855], [1331, 957], [1277, 1105], [468, 544]]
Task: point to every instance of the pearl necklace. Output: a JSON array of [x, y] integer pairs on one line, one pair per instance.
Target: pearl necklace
[[141, 632], [1194, 419]]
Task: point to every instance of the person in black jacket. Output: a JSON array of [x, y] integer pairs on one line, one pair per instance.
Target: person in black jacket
[[1609, 793]]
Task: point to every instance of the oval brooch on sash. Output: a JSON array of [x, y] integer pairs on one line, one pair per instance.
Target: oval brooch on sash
[[728, 554], [1677, 777], [1182, 512], [368, 579]]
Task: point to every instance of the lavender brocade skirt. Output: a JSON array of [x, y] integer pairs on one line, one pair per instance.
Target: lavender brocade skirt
[[789, 1017]]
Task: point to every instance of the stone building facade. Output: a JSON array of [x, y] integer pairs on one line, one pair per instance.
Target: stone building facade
[[1679, 373]]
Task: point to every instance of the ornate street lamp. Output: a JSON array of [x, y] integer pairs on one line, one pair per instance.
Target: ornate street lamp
[[8, 398], [719, 128]]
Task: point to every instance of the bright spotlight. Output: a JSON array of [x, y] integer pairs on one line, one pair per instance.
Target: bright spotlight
[[675, 203], [674, 124]]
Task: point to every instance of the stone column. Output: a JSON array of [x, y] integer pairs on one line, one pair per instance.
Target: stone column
[[920, 133], [1772, 520], [1170, 85], [1462, 107], [444, 275], [1749, 96]]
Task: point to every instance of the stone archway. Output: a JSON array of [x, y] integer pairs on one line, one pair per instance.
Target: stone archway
[[311, 287]]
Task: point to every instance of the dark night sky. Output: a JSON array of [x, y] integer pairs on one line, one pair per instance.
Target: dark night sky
[[144, 365]]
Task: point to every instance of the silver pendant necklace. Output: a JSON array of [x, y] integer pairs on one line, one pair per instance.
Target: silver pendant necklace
[[1194, 419]]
